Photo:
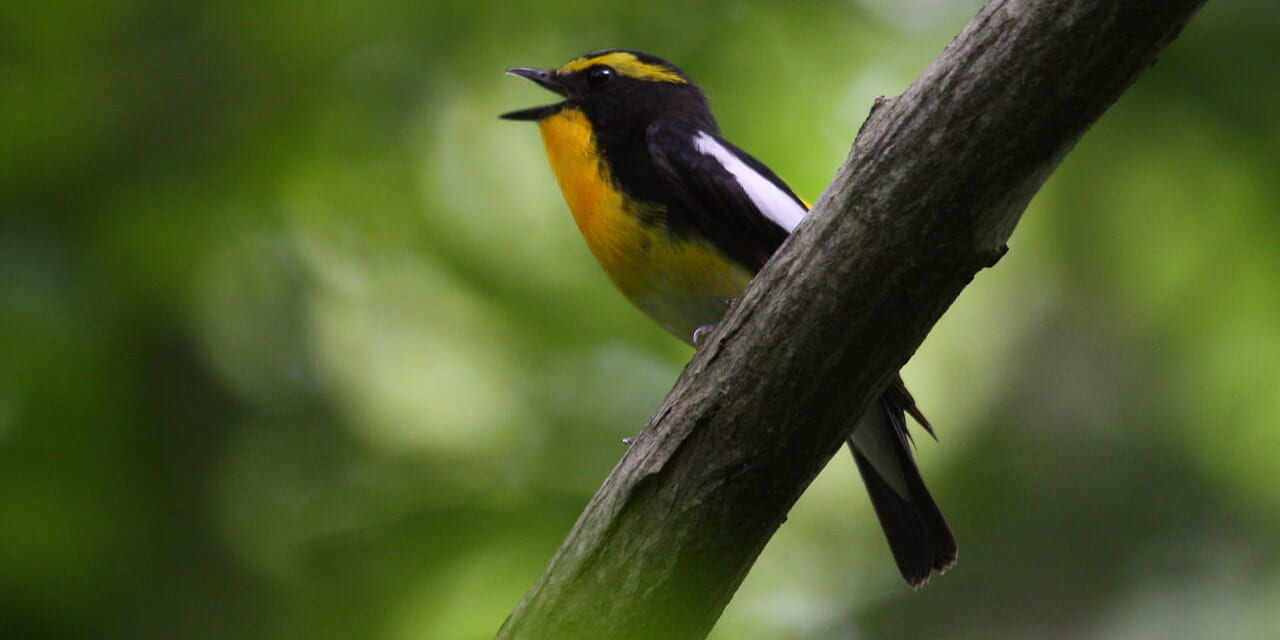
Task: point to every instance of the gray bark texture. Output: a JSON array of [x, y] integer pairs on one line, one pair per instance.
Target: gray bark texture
[[932, 189]]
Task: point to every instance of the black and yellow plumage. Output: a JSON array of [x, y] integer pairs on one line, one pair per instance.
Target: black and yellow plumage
[[681, 220]]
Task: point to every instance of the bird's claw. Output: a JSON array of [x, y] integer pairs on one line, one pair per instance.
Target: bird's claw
[[700, 334]]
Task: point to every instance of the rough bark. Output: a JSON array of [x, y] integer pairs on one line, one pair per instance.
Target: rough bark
[[933, 187]]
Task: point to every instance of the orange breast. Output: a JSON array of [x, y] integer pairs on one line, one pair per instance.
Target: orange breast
[[682, 283], [597, 206]]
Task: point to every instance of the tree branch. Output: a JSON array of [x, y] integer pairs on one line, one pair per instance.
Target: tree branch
[[931, 191]]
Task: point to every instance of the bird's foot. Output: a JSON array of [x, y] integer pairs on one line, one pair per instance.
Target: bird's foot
[[700, 334]]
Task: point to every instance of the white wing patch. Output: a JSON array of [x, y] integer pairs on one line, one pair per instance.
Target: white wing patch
[[773, 202]]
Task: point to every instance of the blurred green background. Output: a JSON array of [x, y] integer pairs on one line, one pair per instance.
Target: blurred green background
[[299, 340]]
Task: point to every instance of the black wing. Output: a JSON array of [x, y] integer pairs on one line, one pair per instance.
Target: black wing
[[716, 206]]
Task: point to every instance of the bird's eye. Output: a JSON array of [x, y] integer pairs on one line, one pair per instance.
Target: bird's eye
[[598, 75]]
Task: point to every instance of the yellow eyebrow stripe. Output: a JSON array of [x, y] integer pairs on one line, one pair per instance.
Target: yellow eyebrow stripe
[[626, 64]]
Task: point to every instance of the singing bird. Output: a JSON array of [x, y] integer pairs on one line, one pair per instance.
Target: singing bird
[[681, 220]]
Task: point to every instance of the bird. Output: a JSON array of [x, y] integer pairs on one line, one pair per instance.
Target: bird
[[681, 219]]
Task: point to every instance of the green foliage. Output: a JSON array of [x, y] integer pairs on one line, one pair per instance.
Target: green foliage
[[299, 340]]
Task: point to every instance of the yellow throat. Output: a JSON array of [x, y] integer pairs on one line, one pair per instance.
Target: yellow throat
[[681, 282]]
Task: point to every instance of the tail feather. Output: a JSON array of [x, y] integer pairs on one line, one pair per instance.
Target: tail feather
[[918, 534]]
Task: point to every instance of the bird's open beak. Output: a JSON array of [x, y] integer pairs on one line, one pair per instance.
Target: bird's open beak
[[544, 79]]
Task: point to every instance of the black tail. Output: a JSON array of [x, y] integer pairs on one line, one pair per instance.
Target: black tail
[[918, 535]]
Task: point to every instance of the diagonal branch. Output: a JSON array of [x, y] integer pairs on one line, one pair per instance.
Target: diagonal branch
[[932, 189]]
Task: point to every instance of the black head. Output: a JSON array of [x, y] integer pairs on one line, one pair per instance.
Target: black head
[[620, 90]]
